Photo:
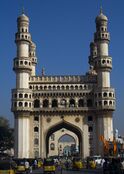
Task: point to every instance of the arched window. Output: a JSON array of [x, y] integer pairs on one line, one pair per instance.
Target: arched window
[[26, 62], [36, 118], [54, 87], [76, 87], [89, 103], [26, 95], [63, 103], [45, 103], [26, 104], [30, 87], [110, 102], [20, 95], [20, 104], [105, 102], [52, 146], [36, 103], [110, 94], [105, 94], [52, 137], [71, 87], [45, 87], [58, 87], [103, 61], [49, 87], [62, 87], [90, 118], [36, 129], [15, 95], [81, 87], [67, 87], [72, 103], [21, 62], [54, 103], [36, 141], [90, 129], [36, 87], [81, 103]]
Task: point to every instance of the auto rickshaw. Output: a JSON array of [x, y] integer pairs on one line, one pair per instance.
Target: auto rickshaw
[[40, 163], [49, 166], [20, 166], [77, 163], [91, 163], [7, 167]]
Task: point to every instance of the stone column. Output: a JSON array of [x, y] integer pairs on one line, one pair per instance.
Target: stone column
[[85, 139]]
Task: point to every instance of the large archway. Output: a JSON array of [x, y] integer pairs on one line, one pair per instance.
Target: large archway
[[69, 127]]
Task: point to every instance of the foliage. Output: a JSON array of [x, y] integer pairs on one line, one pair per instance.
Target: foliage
[[6, 135]]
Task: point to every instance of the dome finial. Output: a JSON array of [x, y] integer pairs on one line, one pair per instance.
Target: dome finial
[[23, 10], [43, 71], [101, 10]]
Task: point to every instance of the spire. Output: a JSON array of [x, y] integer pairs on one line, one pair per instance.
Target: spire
[[101, 11], [43, 71], [23, 10]]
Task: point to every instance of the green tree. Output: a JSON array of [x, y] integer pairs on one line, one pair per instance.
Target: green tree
[[6, 135]]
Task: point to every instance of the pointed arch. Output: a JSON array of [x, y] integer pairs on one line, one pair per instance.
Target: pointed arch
[[66, 134], [68, 126]]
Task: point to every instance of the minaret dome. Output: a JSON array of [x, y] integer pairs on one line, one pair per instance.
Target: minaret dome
[[23, 17], [101, 17]]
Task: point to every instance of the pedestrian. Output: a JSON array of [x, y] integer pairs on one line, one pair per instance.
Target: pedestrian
[[35, 164], [106, 166], [122, 164], [27, 167]]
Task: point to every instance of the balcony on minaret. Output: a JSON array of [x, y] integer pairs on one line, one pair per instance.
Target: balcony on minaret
[[22, 37], [102, 36], [104, 62], [105, 99], [22, 63]]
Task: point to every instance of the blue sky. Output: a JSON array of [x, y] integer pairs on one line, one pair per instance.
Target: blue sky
[[62, 31]]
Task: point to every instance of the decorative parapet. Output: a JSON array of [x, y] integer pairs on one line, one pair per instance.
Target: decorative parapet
[[63, 79]]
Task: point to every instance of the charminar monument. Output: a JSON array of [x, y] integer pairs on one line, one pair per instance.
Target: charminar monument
[[44, 104]]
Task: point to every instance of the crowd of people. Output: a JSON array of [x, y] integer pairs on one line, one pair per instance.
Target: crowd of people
[[113, 166], [29, 166]]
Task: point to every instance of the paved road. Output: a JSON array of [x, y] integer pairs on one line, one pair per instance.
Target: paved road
[[84, 171]]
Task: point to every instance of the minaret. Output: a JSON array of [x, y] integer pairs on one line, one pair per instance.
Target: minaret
[[104, 95], [103, 62], [93, 55], [22, 63], [32, 53], [21, 95]]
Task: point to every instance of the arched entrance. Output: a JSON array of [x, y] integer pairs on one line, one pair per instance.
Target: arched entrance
[[69, 127]]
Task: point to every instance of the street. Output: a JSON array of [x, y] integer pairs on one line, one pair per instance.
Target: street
[[87, 171]]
